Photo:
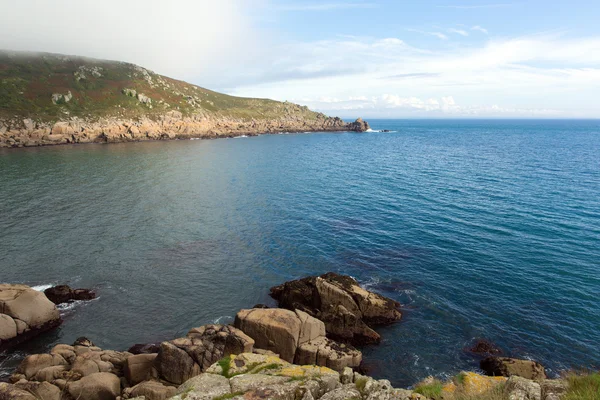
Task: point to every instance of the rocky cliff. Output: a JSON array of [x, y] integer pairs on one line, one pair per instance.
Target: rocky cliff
[[50, 99]]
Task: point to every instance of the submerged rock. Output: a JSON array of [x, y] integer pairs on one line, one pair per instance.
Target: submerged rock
[[347, 310], [484, 347], [64, 294]]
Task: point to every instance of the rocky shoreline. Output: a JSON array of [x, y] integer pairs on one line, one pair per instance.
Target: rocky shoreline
[[303, 350], [171, 125]]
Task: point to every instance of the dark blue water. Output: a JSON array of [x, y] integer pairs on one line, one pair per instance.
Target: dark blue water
[[479, 228]]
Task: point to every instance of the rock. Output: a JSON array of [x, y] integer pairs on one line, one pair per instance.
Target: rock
[[148, 348], [98, 386], [50, 374], [347, 376], [204, 387], [8, 327], [328, 353], [11, 392], [519, 388], [473, 384], [347, 310], [358, 126], [153, 390], [504, 366], [344, 393], [553, 389], [272, 329], [138, 368], [84, 366], [30, 311], [484, 347], [174, 364], [63, 294], [37, 362], [41, 390], [83, 341]]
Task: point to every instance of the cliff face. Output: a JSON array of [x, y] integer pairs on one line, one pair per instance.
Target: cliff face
[[53, 99]]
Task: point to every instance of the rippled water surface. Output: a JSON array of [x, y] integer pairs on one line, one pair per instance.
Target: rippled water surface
[[479, 228]]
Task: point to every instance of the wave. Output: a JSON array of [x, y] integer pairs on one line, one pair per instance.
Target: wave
[[41, 288], [224, 319], [195, 138], [241, 136], [380, 131]]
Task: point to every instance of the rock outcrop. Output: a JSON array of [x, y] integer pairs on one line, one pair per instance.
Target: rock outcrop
[[348, 311], [296, 337], [181, 359], [504, 366], [359, 126], [24, 313], [64, 294], [171, 125]]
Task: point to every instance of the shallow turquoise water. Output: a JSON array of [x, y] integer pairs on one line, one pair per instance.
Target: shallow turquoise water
[[480, 228]]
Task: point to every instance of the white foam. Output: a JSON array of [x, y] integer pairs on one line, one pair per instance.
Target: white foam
[[223, 318], [41, 288], [241, 136]]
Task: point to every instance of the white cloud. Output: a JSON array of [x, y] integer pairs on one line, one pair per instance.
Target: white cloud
[[461, 32], [439, 35], [480, 29]]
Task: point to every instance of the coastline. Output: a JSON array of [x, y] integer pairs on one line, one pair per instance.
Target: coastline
[[283, 353], [172, 125]]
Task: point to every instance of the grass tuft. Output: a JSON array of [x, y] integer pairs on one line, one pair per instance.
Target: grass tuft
[[583, 386]]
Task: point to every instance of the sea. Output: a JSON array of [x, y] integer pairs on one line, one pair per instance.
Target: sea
[[479, 228]]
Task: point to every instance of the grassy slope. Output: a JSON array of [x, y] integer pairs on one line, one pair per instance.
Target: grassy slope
[[28, 81]]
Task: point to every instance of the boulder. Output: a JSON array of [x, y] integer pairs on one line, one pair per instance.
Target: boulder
[[41, 390], [153, 390], [348, 311], [519, 388], [11, 392], [272, 329], [64, 294], [24, 313], [174, 364], [328, 353], [484, 347], [144, 348], [504, 366], [98, 386], [553, 389], [34, 363], [138, 368], [183, 358]]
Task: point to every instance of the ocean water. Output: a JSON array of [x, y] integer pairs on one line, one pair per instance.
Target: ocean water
[[481, 229]]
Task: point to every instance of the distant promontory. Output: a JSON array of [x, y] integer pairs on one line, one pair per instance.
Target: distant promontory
[[48, 99]]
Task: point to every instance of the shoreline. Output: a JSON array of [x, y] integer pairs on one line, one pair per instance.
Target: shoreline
[[170, 126]]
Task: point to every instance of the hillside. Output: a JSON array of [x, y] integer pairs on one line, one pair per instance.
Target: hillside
[[83, 95]]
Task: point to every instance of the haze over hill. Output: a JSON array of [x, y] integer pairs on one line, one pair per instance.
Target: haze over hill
[[52, 99]]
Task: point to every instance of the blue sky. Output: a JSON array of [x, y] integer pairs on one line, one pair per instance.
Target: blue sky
[[379, 58]]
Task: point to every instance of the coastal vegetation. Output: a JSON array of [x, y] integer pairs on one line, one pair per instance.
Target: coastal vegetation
[[56, 99]]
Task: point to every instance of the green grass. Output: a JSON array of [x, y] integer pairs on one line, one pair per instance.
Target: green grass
[[225, 364], [583, 386], [431, 391], [28, 81]]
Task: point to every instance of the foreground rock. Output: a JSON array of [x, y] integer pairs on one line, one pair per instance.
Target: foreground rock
[[348, 311], [504, 366], [296, 337], [24, 313], [64, 294], [181, 359]]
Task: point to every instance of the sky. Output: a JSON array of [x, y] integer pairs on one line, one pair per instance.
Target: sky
[[350, 58]]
